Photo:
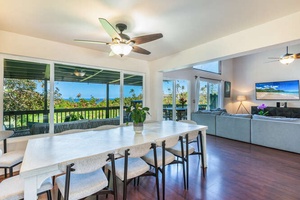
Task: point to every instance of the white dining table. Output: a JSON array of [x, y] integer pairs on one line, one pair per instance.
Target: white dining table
[[43, 155]]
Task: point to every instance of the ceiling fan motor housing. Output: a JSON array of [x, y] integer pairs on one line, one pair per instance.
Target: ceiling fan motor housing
[[122, 27]]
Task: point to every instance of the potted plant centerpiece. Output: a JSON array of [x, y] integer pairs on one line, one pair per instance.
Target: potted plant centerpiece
[[138, 115], [261, 109]]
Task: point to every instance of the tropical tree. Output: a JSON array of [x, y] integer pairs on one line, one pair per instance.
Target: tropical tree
[[21, 94]]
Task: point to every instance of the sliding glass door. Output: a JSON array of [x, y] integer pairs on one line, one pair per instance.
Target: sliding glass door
[[175, 99], [209, 94], [51, 97]]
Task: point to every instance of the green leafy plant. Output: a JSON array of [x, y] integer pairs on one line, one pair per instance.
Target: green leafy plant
[[73, 117], [138, 113]]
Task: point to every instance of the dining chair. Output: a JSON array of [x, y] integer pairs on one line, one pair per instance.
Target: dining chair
[[191, 140], [8, 160], [13, 188], [130, 165], [85, 177], [187, 150], [104, 127], [164, 157], [198, 140]]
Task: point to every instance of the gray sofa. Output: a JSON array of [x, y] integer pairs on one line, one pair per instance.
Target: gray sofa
[[236, 127], [222, 124], [207, 118], [275, 132], [278, 133], [39, 128]]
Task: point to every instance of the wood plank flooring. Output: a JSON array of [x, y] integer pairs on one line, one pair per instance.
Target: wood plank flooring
[[235, 170]]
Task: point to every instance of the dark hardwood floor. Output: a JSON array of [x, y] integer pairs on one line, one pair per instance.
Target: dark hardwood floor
[[235, 171]]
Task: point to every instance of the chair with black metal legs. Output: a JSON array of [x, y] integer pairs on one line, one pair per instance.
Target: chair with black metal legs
[[85, 177], [130, 165], [199, 143], [8, 160], [164, 157], [198, 140], [188, 150], [13, 188]]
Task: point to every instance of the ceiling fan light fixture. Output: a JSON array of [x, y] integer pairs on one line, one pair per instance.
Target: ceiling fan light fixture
[[287, 59], [79, 73], [121, 49]]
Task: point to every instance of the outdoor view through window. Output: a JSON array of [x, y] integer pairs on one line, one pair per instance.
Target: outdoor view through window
[[79, 94], [175, 99]]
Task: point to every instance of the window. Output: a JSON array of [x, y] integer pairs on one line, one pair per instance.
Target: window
[[26, 97], [213, 67], [209, 97], [175, 99], [85, 93], [133, 92], [79, 93]]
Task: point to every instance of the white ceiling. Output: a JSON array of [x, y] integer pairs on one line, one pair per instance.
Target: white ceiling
[[184, 24]]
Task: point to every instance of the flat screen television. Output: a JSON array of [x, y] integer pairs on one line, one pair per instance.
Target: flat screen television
[[278, 90]]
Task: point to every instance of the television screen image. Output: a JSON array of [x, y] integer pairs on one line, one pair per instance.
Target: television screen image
[[279, 90]]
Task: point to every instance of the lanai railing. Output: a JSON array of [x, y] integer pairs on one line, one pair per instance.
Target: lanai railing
[[18, 120]]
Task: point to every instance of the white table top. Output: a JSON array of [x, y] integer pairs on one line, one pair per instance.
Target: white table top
[[42, 154]]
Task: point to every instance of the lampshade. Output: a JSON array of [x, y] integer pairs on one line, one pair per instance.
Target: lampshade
[[121, 49], [241, 98], [79, 73], [287, 60]]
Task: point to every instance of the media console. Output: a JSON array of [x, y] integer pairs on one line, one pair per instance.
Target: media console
[[279, 111]]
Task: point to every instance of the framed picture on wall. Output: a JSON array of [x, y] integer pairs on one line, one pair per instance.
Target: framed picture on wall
[[227, 89]]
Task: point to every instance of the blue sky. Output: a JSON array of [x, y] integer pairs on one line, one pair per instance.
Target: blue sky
[[71, 89], [169, 85]]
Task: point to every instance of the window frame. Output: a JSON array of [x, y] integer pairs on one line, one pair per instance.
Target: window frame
[[212, 81], [52, 63], [219, 67]]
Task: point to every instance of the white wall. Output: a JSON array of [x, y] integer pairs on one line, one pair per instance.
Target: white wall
[[248, 70]]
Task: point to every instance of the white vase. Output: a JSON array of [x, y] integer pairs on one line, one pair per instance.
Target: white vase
[[138, 128]]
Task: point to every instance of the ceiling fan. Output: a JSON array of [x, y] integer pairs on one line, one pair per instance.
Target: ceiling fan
[[287, 58], [121, 43]]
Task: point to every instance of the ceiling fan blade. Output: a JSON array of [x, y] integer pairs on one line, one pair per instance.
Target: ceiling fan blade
[[91, 41], [147, 38], [137, 49], [109, 29], [297, 56]]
